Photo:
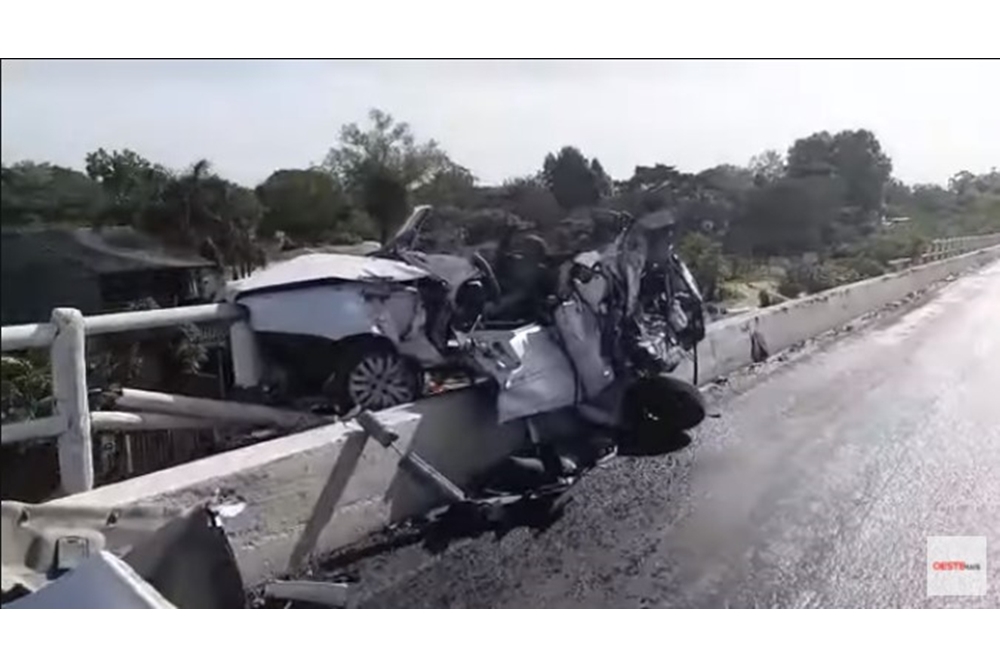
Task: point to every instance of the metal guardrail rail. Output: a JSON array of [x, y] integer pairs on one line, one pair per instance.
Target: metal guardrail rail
[[71, 424], [959, 245]]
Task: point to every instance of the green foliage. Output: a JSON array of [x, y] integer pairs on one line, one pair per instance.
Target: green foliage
[[704, 257], [219, 218], [40, 192], [827, 196], [389, 145], [809, 278], [385, 199], [25, 387], [452, 186], [306, 204], [855, 157], [574, 181], [602, 181], [767, 167], [970, 205], [382, 165], [864, 266], [526, 198], [787, 217], [132, 185]]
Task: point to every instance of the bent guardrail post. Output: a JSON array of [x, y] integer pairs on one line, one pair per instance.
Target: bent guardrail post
[[69, 387], [410, 461], [247, 365]]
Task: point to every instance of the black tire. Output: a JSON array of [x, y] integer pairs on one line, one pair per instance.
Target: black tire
[[374, 376], [672, 404]]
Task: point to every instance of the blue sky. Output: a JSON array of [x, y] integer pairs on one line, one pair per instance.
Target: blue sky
[[500, 118]]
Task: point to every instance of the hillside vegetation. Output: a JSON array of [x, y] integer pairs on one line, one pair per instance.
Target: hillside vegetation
[[824, 211]]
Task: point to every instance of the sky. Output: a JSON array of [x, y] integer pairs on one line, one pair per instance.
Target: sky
[[500, 118]]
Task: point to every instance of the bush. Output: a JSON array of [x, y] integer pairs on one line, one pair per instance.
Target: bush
[[704, 257], [864, 267], [26, 386], [811, 278]]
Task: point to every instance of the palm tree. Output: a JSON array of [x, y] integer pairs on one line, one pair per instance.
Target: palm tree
[[204, 211]]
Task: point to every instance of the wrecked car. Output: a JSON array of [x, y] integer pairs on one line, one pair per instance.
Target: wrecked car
[[551, 330], [361, 330]]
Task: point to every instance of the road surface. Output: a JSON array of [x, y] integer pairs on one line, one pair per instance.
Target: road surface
[[817, 486]]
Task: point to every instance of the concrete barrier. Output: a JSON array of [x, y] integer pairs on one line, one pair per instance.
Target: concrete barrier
[[727, 347], [315, 491], [321, 489]]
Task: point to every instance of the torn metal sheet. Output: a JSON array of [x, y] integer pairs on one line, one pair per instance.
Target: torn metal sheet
[[451, 269], [580, 334], [533, 373], [184, 555], [191, 562], [102, 581], [36, 540]]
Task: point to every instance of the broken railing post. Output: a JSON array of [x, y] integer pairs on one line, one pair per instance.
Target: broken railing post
[[409, 460], [69, 387], [247, 369]]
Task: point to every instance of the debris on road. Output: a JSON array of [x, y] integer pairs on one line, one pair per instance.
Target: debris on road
[[319, 593]]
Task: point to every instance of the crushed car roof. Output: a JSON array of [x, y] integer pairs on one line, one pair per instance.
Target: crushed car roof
[[324, 267]]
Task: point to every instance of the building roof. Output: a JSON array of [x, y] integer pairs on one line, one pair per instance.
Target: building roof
[[102, 251]]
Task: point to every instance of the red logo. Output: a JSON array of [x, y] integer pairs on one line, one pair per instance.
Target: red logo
[[954, 565]]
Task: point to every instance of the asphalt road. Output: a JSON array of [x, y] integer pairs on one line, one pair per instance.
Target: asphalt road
[[817, 486]]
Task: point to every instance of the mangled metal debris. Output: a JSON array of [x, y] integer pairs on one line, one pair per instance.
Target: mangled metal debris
[[75, 557], [583, 339], [318, 593], [550, 330], [102, 581]]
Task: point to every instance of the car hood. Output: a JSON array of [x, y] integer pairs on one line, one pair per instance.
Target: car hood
[[323, 267]]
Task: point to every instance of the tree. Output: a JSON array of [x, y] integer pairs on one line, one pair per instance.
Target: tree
[[454, 185], [529, 199], [704, 257], [710, 199], [306, 204], [864, 168], [767, 167], [811, 156], [604, 183], [787, 217], [131, 184], [202, 210], [571, 178], [42, 192], [385, 199], [650, 178], [853, 156], [384, 160]]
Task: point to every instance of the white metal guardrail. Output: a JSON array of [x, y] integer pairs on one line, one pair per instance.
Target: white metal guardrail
[[959, 245], [65, 335]]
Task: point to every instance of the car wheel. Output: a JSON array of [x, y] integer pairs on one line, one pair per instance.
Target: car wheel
[[657, 410], [376, 377]]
